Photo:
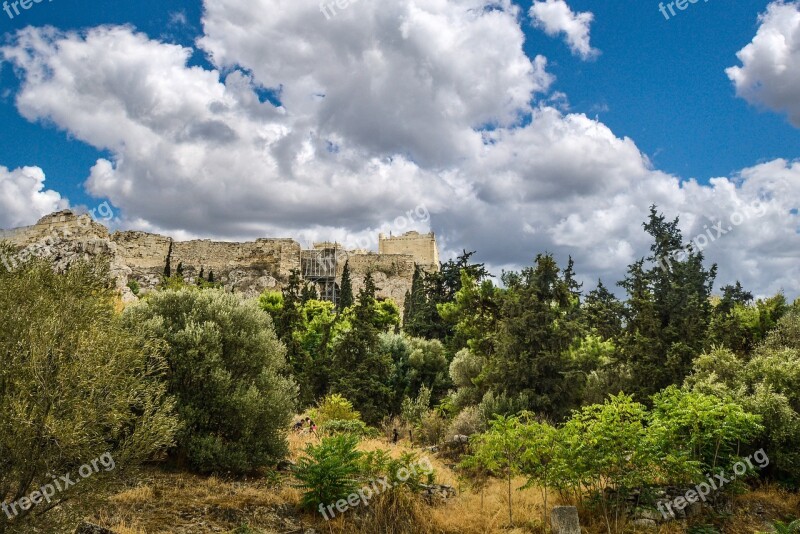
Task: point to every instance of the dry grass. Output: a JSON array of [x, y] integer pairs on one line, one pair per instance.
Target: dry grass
[[474, 513], [185, 503], [160, 502], [754, 511]]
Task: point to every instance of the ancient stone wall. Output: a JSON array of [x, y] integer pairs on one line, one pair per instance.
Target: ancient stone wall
[[392, 273], [421, 246], [248, 268]]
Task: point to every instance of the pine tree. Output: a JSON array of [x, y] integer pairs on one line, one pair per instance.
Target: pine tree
[[346, 290]]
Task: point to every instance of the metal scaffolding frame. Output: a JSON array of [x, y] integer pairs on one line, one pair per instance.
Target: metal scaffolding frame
[[320, 267]]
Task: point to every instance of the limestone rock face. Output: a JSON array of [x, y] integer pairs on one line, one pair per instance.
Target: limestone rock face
[[248, 268]]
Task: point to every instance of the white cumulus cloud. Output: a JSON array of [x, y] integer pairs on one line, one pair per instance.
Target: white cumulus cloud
[[23, 197], [770, 72], [555, 17]]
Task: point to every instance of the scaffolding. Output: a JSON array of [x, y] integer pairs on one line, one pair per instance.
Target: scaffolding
[[319, 267]]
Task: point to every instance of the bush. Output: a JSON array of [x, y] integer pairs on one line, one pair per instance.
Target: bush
[[226, 369], [468, 422], [767, 384], [329, 471], [705, 429], [335, 469], [74, 384], [432, 429], [334, 407]]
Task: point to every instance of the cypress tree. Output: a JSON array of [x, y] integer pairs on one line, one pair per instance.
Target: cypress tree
[[360, 371], [346, 291], [168, 267]]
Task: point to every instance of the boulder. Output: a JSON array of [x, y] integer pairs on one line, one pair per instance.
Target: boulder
[[564, 520]]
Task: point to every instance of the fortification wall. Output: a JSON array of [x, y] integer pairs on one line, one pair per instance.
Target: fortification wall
[[392, 273], [421, 246], [244, 267]]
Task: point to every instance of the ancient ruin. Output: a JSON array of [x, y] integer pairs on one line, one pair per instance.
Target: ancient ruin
[[248, 268]]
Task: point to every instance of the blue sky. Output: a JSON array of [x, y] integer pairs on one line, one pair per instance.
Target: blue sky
[[661, 84]]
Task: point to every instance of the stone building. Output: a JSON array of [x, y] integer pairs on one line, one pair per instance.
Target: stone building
[[422, 247]]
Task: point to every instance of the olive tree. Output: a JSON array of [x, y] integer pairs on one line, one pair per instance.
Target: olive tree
[[75, 385], [228, 373]]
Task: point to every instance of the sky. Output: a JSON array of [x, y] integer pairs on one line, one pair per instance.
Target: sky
[[508, 128]]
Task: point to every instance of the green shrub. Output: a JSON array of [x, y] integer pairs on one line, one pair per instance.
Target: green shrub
[[335, 469], [329, 471], [468, 422], [74, 383], [766, 384], [353, 426], [706, 429], [432, 429], [334, 407], [227, 371], [133, 285], [787, 528]]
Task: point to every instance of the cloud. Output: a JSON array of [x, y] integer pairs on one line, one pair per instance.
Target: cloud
[[555, 17], [23, 198], [770, 71], [382, 109]]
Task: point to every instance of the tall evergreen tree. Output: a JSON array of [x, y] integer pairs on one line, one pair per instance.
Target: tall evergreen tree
[[537, 327], [430, 290], [310, 292], [603, 312], [290, 321], [731, 296], [668, 309], [361, 372], [414, 302], [167, 266], [346, 290]]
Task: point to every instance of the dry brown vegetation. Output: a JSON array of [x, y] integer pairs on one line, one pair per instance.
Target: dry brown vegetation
[[157, 501]]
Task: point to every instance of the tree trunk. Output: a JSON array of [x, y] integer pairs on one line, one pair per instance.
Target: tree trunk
[[510, 510]]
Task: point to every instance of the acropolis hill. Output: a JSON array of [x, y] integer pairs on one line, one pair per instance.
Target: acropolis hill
[[249, 267]]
